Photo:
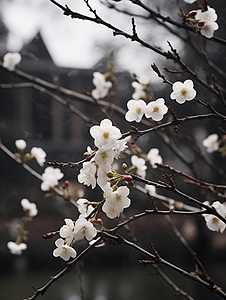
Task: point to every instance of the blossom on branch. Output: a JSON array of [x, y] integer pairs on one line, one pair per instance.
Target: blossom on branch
[[11, 60], [136, 110], [156, 109], [16, 248], [211, 143], [154, 157], [102, 86], [84, 208], [139, 164], [140, 87], [84, 228], [104, 158], [183, 91], [20, 144], [50, 178], [63, 250], [66, 231], [87, 174], [39, 154], [29, 208], [207, 21], [213, 222], [105, 134], [116, 201]]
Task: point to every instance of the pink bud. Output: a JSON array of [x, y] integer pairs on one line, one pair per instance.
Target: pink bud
[[66, 182], [201, 23], [86, 154], [124, 166], [192, 13], [128, 178], [99, 221], [91, 220]]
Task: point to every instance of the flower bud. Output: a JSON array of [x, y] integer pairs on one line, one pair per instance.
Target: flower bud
[[131, 183], [86, 155], [192, 13], [128, 178], [99, 221], [201, 23], [124, 166]]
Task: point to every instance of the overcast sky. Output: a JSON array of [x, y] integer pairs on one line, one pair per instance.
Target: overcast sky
[[76, 43]]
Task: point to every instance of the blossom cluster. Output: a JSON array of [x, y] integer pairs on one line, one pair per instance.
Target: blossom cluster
[[36, 152], [212, 221], [204, 21], [73, 232], [31, 211], [96, 171], [102, 86], [157, 109]]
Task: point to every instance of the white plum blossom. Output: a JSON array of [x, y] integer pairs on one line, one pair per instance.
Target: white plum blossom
[[20, 144], [183, 91], [120, 146], [208, 29], [139, 163], [84, 208], [63, 250], [87, 174], [102, 86], [84, 228], [49, 183], [211, 143], [156, 109], [102, 177], [151, 189], [50, 178], [213, 222], [105, 134], [66, 231], [116, 201], [139, 87], [154, 157], [209, 17], [39, 154], [16, 248], [11, 60], [136, 110], [52, 172], [104, 158], [29, 208]]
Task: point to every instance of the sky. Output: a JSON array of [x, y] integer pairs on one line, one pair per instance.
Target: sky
[[77, 43]]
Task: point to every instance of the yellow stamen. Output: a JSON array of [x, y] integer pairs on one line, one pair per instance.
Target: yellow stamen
[[215, 219], [138, 110], [105, 134], [155, 109], [184, 92]]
